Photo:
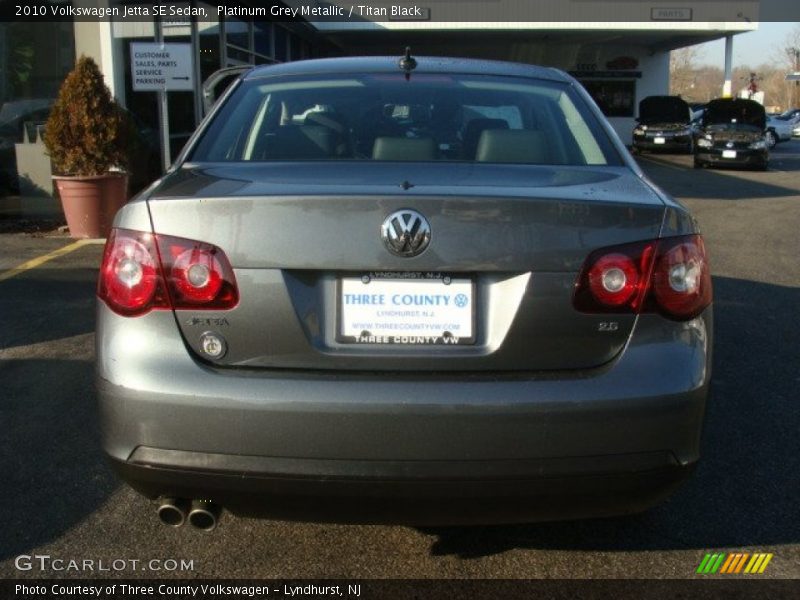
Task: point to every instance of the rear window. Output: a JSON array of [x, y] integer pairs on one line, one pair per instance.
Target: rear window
[[386, 117]]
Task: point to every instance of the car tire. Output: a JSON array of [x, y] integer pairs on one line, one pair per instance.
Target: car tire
[[771, 138], [697, 164]]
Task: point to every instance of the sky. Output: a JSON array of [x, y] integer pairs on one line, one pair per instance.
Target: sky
[[752, 48]]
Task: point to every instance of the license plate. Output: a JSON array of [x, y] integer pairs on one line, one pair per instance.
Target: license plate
[[416, 311], [729, 154], [659, 140]]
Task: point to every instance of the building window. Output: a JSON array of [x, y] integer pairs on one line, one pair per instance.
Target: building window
[[615, 98], [237, 33], [262, 38], [34, 59], [281, 50], [294, 47]]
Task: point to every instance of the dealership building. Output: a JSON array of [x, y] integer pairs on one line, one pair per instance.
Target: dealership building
[[619, 50]]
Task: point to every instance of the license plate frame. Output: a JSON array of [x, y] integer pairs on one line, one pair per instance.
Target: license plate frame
[[392, 283]]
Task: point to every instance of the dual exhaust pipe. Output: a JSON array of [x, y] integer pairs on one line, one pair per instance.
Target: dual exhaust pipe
[[201, 514]]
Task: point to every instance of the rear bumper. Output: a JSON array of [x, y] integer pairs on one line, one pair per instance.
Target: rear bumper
[[432, 493], [405, 447]]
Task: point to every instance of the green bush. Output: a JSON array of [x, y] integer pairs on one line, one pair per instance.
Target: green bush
[[87, 132]]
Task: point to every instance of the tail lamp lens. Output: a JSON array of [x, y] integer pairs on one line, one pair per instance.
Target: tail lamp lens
[[143, 271], [682, 279], [197, 276], [613, 279], [670, 276], [129, 275]]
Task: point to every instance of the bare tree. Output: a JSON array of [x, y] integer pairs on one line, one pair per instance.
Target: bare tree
[[787, 51], [787, 58], [683, 71]]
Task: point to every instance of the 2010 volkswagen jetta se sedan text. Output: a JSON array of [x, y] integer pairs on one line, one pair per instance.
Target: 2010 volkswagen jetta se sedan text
[[425, 291]]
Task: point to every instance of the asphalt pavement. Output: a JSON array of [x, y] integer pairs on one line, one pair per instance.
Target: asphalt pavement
[[60, 499]]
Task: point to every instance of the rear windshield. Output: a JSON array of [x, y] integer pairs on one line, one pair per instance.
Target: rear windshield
[[386, 117]]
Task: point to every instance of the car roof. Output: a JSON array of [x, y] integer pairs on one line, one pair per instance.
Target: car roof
[[425, 64]]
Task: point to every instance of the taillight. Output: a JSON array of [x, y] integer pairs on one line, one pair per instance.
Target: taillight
[[682, 279], [142, 271], [198, 275], [670, 276], [130, 278], [615, 279]]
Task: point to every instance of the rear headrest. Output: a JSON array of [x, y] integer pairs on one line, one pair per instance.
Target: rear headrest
[[513, 146], [473, 131], [397, 148]]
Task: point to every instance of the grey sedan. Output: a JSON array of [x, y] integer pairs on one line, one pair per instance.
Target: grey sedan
[[418, 291]]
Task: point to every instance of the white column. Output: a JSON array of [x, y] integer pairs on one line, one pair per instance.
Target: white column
[[96, 40], [727, 87]]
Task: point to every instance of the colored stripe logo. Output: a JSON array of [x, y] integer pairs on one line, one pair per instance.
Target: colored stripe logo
[[737, 562]]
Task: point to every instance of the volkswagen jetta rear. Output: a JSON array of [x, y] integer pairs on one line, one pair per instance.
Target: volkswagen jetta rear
[[438, 292]]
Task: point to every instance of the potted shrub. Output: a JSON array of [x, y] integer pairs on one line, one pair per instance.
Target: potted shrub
[[87, 136]]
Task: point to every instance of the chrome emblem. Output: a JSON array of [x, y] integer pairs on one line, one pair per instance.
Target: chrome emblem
[[406, 233], [729, 145]]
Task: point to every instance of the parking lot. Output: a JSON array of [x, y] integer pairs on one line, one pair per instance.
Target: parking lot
[[60, 498]]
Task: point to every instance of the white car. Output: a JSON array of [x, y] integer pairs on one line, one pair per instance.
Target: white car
[[781, 128]]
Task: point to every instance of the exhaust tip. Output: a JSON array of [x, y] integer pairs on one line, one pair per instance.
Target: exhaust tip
[[172, 512], [204, 515]]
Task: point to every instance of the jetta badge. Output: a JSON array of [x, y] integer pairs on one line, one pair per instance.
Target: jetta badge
[[406, 233]]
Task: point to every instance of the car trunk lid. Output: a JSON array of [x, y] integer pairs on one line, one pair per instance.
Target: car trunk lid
[[299, 236]]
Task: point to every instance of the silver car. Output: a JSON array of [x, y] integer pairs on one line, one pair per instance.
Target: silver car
[[416, 291]]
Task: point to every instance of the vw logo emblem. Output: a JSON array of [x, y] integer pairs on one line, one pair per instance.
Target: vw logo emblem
[[729, 145], [406, 233]]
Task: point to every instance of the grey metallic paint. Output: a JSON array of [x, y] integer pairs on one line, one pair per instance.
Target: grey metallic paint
[[542, 403]]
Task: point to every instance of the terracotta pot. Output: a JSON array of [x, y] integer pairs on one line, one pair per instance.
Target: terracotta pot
[[90, 203]]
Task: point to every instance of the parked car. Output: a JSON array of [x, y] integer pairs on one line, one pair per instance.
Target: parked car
[[781, 127], [732, 133], [362, 315], [792, 116], [664, 123]]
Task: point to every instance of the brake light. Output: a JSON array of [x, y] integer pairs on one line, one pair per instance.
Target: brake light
[[142, 271], [130, 278], [198, 275], [682, 279], [670, 276]]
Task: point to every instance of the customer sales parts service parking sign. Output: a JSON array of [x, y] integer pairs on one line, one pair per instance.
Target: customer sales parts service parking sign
[[161, 67]]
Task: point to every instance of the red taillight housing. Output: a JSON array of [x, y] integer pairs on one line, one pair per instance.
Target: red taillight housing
[[142, 271], [198, 275], [670, 276], [681, 278]]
